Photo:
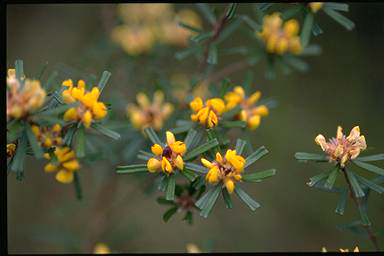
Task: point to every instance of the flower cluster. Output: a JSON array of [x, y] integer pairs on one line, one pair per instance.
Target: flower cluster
[[147, 114], [168, 158], [226, 169], [207, 114], [145, 24], [23, 97], [315, 6], [11, 150], [48, 136], [65, 161], [279, 38], [342, 148], [249, 112], [90, 108]]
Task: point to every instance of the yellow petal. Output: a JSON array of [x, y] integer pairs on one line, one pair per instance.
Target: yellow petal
[[170, 137], [157, 149], [158, 98], [206, 163], [50, 167], [56, 128], [282, 46], [356, 249], [254, 98], [178, 147], [63, 157], [260, 110], [203, 115], [230, 185], [143, 100], [64, 176], [354, 152], [339, 133], [343, 160], [243, 115], [239, 91], [67, 96], [315, 6], [354, 134], [71, 165], [81, 84], [213, 175], [70, 114], [153, 164], [35, 130], [47, 142], [212, 119], [291, 27], [361, 142], [87, 119], [196, 104], [68, 83], [217, 104], [320, 140], [219, 158], [254, 121], [167, 109], [179, 162], [166, 165]]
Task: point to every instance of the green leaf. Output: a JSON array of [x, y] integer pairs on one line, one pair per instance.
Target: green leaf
[[302, 156], [212, 55], [103, 80], [188, 217], [259, 176], [67, 140], [206, 11], [152, 135], [19, 68], [240, 144], [342, 202], [364, 216], [76, 181], [18, 158], [58, 110], [106, 131], [246, 198], [203, 199], [51, 78], [259, 153], [379, 189], [168, 214], [189, 27], [201, 149], [210, 201], [331, 178], [251, 23], [131, 168], [196, 168], [80, 142], [355, 184], [369, 167], [190, 138], [316, 30], [295, 62], [341, 19], [37, 150], [232, 112], [231, 10], [212, 134], [162, 200], [337, 6], [319, 177], [201, 37], [311, 50], [190, 175], [180, 55], [227, 198], [170, 192], [234, 124], [377, 157], [291, 12], [228, 30], [163, 183], [307, 28]]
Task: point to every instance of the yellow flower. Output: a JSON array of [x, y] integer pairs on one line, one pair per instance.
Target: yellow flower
[[193, 248], [22, 100], [208, 114], [168, 158], [101, 248], [315, 6], [342, 250], [250, 113], [11, 150], [48, 136], [66, 164], [225, 169], [149, 114], [342, 148], [90, 108], [280, 38]]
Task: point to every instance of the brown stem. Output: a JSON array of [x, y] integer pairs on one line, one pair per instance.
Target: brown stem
[[368, 228]]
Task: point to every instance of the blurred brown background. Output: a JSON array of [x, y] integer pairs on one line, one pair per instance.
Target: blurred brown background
[[344, 86]]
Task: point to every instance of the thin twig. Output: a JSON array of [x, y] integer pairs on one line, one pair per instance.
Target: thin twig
[[368, 228]]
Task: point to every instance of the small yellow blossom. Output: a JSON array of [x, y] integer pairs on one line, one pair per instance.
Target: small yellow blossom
[[48, 136], [149, 114], [342, 148], [193, 248], [315, 6], [101, 248], [23, 99], [90, 108], [66, 164], [279, 38], [168, 158], [208, 114], [11, 150], [342, 250], [225, 169], [249, 112]]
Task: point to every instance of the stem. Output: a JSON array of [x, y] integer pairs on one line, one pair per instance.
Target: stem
[[368, 228]]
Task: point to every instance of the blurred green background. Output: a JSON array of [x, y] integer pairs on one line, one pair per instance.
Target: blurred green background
[[344, 86]]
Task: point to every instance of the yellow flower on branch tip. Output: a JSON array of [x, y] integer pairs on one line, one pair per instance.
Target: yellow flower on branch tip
[[342, 149], [315, 6], [101, 248], [22, 100], [280, 38], [168, 158], [149, 114], [208, 114], [48, 136], [66, 164], [225, 169], [90, 108], [11, 150], [250, 112]]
